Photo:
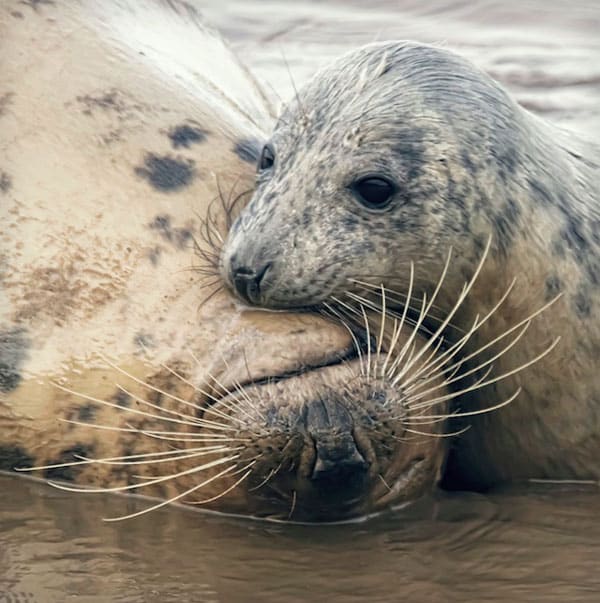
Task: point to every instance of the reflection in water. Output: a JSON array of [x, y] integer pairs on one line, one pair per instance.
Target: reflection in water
[[542, 543], [539, 544]]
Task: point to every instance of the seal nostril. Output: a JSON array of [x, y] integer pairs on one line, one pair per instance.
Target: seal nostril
[[262, 272], [247, 281]]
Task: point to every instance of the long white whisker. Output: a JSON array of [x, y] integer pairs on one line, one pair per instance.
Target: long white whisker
[[228, 490], [122, 408], [157, 480], [164, 503], [203, 409], [466, 289], [150, 457], [494, 379], [480, 411], [465, 374], [190, 419]]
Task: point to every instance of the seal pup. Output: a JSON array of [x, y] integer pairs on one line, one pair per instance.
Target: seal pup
[[400, 151]]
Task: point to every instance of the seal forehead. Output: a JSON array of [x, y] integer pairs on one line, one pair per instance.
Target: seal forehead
[[370, 92]]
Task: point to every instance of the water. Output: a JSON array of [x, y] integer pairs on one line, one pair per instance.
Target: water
[[540, 543]]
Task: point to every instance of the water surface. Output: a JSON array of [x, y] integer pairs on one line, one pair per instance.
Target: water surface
[[536, 544]]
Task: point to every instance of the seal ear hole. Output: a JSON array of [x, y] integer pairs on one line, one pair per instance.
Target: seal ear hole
[[374, 192], [267, 158]]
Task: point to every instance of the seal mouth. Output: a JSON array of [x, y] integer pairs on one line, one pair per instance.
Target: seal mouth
[[332, 359]]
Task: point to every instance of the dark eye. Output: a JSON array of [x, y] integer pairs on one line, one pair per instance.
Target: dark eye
[[373, 192], [267, 158]]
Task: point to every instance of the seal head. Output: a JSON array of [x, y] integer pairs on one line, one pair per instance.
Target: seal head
[[397, 151]]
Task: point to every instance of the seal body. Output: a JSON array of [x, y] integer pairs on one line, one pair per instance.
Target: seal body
[[399, 152], [124, 155]]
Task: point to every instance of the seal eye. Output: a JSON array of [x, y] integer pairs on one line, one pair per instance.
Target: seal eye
[[267, 158], [373, 192]]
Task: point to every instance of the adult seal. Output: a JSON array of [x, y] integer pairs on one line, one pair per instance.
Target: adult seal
[[399, 152]]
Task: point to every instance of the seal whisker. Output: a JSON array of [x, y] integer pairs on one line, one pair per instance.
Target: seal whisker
[[476, 385], [245, 398], [456, 347], [228, 490], [429, 377], [204, 409], [408, 344], [293, 507], [122, 408], [376, 307], [192, 453], [149, 457], [439, 435], [454, 309], [156, 480], [355, 342], [188, 419], [396, 297], [157, 434], [172, 499], [481, 411], [271, 474], [396, 333], [156, 389], [525, 322], [231, 401], [495, 379]]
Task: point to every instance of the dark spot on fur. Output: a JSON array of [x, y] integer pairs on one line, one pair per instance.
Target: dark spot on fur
[[248, 149], [582, 304], [540, 193], [185, 135], [87, 413], [467, 162], [558, 247], [144, 340], [179, 237], [166, 173], [410, 147], [154, 255], [553, 287], [13, 456], [506, 223], [349, 222], [5, 182], [16, 14], [5, 102], [400, 224], [122, 398], [573, 233], [14, 345], [68, 455]]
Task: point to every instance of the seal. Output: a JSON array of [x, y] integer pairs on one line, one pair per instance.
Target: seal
[[123, 162], [397, 153]]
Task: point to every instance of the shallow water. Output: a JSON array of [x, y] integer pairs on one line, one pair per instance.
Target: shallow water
[[540, 543]]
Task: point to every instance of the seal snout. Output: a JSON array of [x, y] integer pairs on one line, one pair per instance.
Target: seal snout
[[247, 279]]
